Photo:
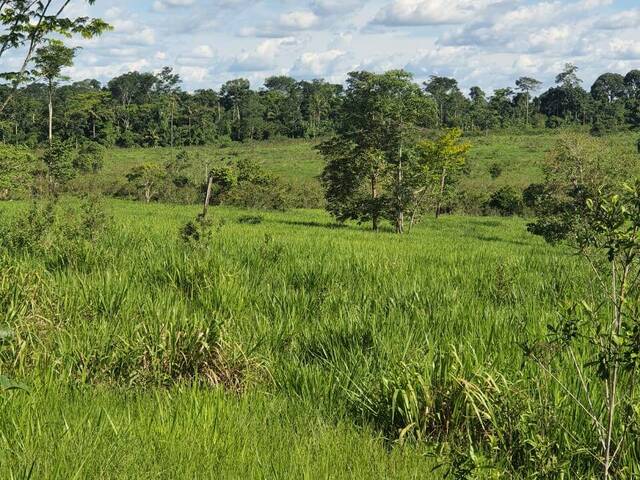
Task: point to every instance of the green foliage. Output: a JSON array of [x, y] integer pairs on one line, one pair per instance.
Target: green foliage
[[369, 163], [576, 169], [148, 179], [606, 237], [505, 201], [495, 170], [90, 157], [59, 157], [16, 164]]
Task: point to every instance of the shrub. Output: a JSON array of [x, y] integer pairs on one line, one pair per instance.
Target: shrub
[[505, 201], [533, 195], [59, 157], [90, 157], [495, 170], [15, 166]]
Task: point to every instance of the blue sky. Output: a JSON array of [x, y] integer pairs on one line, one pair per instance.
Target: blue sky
[[481, 42]]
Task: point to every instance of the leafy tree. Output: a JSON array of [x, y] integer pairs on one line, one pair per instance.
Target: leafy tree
[[168, 84], [147, 179], [87, 110], [527, 86], [604, 324], [632, 90], [568, 78], [506, 201], [59, 157], [448, 97], [370, 162], [501, 105], [27, 24], [49, 62], [442, 160], [576, 169]]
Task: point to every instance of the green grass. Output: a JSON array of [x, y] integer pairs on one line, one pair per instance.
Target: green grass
[[520, 155], [258, 356], [292, 347]]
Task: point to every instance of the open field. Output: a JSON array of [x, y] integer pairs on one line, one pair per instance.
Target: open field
[[266, 353], [519, 155]]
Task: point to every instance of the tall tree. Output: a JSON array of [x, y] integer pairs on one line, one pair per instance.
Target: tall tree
[[26, 24], [370, 162], [168, 85], [527, 86], [441, 160], [569, 76], [444, 91], [49, 62]]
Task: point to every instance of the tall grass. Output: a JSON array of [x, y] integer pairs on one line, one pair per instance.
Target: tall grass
[[286, 349]]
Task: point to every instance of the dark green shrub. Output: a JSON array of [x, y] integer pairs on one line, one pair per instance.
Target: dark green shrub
[[505, 201], [495, 170], [533, 195]]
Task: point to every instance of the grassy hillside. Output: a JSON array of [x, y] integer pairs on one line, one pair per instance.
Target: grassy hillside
[[276, 350], [520, 157]]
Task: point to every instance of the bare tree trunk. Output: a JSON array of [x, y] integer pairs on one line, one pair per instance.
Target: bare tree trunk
[[207, 198], [399, 208], [50, 113]]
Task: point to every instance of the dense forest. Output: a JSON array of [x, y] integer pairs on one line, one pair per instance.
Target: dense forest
[[152, 109]]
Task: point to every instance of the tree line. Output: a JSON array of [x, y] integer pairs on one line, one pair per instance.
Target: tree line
[[153, 109]]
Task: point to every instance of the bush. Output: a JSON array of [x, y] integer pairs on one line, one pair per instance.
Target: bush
[[15, 169], [59, 157], [495, 170], [533, 195], [90, 157], [505, 201]]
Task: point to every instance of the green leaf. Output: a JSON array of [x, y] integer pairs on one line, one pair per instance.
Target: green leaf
[[6, 384]]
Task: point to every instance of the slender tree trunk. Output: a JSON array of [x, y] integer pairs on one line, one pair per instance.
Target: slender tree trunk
[[207, 199], [443, 180], [93, 125], [50, 113], [399, 207]]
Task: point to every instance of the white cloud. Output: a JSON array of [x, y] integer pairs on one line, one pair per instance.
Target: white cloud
[[483, 42], [619, 21], [430, 12], [301, 20], [162, 5], [318, 64], [263, 57]]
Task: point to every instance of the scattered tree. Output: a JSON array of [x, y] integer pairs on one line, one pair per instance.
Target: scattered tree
[[147, 179], [49, 61]]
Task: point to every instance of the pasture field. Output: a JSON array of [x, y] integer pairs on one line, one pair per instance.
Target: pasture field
[[285, 347], [519, 155]]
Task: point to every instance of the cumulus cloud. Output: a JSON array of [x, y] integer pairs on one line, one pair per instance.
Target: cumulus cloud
[[318, 64], [481, 42], [263, 57], [162, 5], [430, 12]]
